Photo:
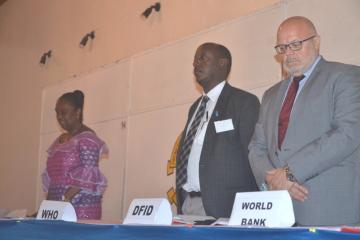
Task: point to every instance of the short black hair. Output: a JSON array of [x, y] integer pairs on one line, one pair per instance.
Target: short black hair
[[221, 52]]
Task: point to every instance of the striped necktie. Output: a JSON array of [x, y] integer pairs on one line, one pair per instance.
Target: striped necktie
[[181, 170]]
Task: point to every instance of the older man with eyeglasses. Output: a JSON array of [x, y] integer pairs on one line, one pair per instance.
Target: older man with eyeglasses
[[307, 138]]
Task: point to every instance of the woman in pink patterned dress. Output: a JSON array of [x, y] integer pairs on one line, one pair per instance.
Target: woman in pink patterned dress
[[72, 172]]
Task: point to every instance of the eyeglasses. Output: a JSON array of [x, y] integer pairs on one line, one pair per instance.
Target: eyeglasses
[[294, 46]]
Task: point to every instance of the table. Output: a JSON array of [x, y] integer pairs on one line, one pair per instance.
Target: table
[[53, 230]]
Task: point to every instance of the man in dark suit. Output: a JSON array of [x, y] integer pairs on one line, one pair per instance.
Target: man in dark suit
[[212, 161]]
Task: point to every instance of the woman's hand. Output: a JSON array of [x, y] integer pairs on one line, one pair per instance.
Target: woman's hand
[[70, 193]]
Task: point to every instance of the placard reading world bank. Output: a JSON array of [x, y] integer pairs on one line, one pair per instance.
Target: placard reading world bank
[[264, 209]]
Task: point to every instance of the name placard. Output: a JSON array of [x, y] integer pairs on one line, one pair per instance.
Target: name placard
[[56, 210], [156, 211], [265, 209]]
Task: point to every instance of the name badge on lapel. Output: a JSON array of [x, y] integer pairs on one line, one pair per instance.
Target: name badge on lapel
[[224, 125]]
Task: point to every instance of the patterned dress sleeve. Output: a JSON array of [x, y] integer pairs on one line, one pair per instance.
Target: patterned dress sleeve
[[45, 181], [87, 175]]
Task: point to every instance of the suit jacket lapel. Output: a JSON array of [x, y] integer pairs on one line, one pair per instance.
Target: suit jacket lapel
[[221, 104], [308, 85], [300, 102], [218, 114], [191, 113]]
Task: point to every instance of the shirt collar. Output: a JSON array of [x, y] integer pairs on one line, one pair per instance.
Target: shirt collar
[[311, 69], [214, 93]]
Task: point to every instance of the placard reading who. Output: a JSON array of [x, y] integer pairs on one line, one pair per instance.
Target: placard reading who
[[56, 210]]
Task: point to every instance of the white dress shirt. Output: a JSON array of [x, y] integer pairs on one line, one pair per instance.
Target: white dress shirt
[[193, 183]]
